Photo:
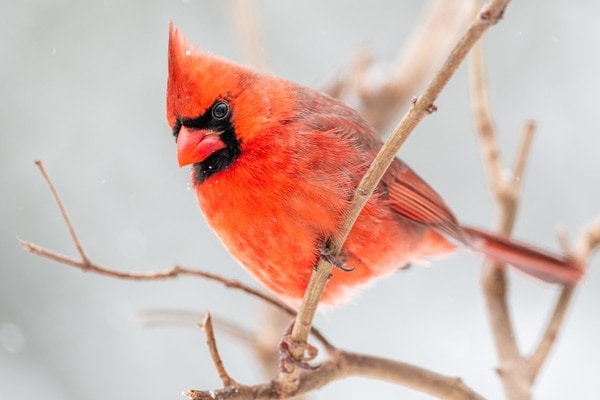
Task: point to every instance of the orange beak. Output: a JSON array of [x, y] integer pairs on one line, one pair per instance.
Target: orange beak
[[195, 145]]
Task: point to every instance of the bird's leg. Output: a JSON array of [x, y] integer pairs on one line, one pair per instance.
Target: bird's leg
[[339, 261], [288, 345]]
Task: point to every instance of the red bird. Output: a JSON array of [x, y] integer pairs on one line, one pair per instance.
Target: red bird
[[274, 166]]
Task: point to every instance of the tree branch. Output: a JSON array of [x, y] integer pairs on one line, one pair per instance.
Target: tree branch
[[516, 372], [342, 365], [63, 211], [435, 34], [214, 352], [422, 106], [587, 243]]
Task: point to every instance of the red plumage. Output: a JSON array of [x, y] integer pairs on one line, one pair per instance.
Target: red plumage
[[275, 165]]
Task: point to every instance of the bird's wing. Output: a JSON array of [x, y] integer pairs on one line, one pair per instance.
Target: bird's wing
[[413, 198]]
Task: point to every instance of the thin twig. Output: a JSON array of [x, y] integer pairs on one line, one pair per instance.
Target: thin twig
[[523, 152], [170, 273], [485, 128], [63, 211], [511, 363], [546, 343], [186, 319], [488, 16], [587, 243], [214, 352]]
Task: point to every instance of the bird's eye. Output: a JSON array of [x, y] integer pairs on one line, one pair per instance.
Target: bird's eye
[[220, 110]]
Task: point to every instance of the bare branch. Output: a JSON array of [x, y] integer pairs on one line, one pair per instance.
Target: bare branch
[[516, 372], [342, 365], [183, 318], [214, 352], [587, 243], [173, 272], [488, 16], [486, 130], [539, 356], [426, 49], [63, 211], [523, 153]]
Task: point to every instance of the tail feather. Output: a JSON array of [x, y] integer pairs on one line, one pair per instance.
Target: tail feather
[[539, 263]]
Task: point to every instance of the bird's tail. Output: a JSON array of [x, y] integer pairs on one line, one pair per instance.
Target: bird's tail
[[539, 263]]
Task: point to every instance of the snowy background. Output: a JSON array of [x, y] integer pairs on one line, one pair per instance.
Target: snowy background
[[82, 86]]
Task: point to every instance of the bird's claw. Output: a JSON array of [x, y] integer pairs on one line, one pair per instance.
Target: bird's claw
[[287, 348], [339, 261]]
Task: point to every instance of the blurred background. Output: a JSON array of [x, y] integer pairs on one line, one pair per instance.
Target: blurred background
[[83, 88]]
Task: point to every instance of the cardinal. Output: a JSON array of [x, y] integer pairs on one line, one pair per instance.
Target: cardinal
[[275, 166]]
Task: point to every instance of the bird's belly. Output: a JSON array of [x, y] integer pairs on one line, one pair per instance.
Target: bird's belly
[[277, 239]]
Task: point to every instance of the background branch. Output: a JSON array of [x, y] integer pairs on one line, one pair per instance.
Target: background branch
[[380, 101], [516, 372]]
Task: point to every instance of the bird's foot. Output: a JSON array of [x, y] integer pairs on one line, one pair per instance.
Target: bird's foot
[[339, 261], [289, 350]]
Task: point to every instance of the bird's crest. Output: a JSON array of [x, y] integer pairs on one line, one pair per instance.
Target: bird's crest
[[196, 78]]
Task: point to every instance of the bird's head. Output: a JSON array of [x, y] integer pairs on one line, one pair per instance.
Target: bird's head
[[214, 106]]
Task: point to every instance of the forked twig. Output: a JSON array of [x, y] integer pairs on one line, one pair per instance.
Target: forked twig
[[517, 372]]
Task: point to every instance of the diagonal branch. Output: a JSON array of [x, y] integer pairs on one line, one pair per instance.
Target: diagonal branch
[[63, 211], [587, 243], [422, 106]]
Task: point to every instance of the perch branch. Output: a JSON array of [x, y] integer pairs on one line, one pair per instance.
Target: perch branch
[[343, 364], [422, 106]]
